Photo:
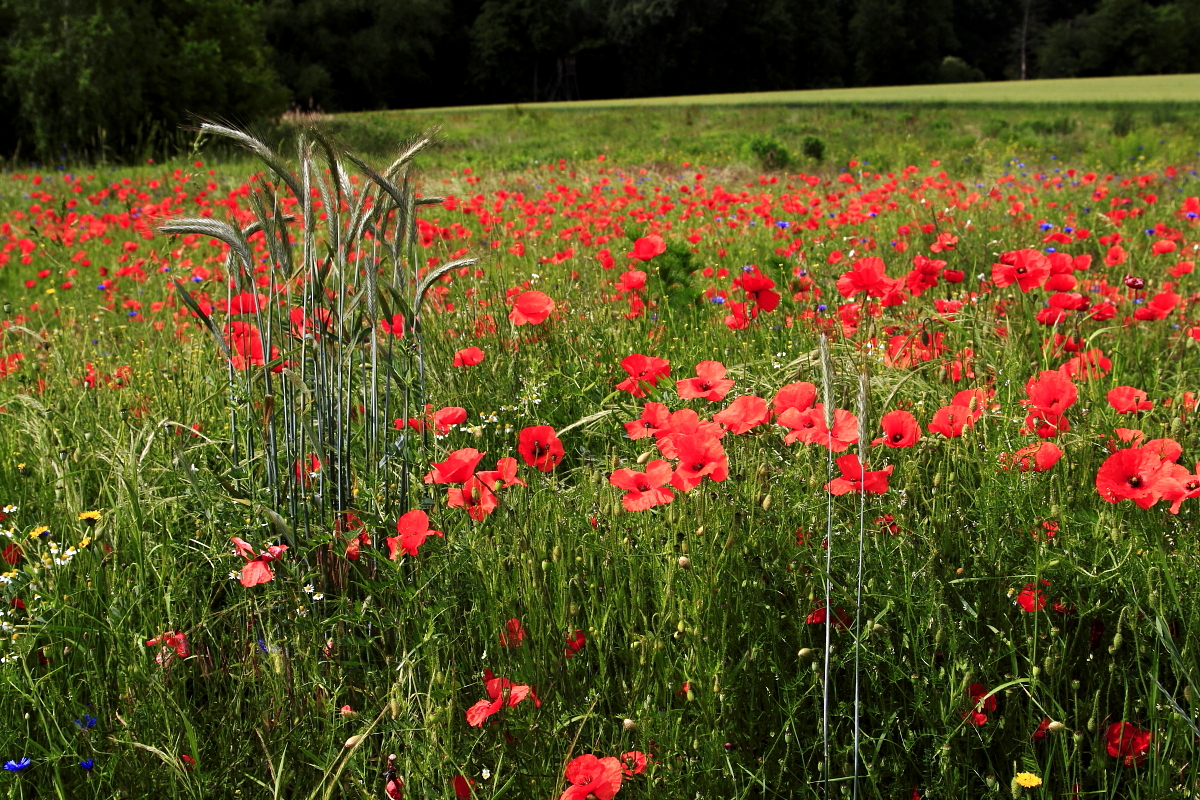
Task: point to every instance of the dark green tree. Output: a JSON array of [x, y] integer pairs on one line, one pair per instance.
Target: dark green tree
[[90, 78], [1123, 37], [898, 42], [351, 55]]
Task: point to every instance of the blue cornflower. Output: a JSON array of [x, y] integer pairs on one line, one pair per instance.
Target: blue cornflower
[[718, 299], [88, 721], [1046, 226], [87, 764], [783, 223], [17, 766]]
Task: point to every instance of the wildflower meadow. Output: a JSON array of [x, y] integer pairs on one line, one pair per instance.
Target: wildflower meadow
[[324, 475]]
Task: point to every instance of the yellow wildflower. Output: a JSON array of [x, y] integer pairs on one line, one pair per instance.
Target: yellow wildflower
[[1028, 780], [89, 517]]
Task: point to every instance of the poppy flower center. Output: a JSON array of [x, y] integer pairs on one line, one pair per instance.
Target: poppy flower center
[[699, 465], [1135, 481], [705, 386], [897, 436], [540, 449]]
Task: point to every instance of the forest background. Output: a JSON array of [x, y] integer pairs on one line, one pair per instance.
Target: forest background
[[115, 79]]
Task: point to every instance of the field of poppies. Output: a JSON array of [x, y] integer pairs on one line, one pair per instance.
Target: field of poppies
[[326, 478]]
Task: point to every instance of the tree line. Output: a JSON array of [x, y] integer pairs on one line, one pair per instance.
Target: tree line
[[110, 78]]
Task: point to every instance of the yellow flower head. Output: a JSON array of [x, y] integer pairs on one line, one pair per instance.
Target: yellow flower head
[[1028, 780], [90, 517], [38, 531]]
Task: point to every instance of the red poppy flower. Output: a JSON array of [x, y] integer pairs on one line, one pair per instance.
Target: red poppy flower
[[900, 429], [394, 326], [634, 763], [446, 418], [855, 477], [172, 643], [11, 554], [982, 702], [809, 427], [1045, 424], [710, 382], [575, 643], [840, 620], [413, 530], [866, 275], [800, 396], [501, 692], [643, 369], [1031, 598], [247, 344], [1038, 457], [306, 327], [648, 247], [1042, 729], [699, 455], [647, 489], [531, 308], [1051, 391], [475, 496], [513, 633], [1159, 307], [592, 777], [1027, 268], [1128, 742], [468, 357], [743, 414], [684, 422], [540, 447], [1128, 400], [505, 474], [247, 303], [462, 786], [1131, 474], [258, 568], [457, 468], [950, 421], [654, 418], [1088, 365]]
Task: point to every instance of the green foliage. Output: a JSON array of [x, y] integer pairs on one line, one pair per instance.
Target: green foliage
[[108, 77], [954, 70], [1123, 37], [813, 147], [358, 54], [1123, 121], [770, 153], [673, 273]]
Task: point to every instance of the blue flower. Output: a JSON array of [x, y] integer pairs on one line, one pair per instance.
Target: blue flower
[[783, 223], [88, 721], [17, 766], [87, 764]]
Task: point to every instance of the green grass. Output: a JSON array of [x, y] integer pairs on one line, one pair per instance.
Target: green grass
[[715, 590], [969, 139], [1119, 89]]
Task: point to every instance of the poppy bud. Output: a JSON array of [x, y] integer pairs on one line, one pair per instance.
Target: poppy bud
[[685, 562], [1117, 641], [1056, 727], [766, 503], [878, 629], [644, 457], [629, 724], [804, 652]]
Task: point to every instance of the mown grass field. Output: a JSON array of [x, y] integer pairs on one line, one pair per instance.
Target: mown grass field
[[356, 497]]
